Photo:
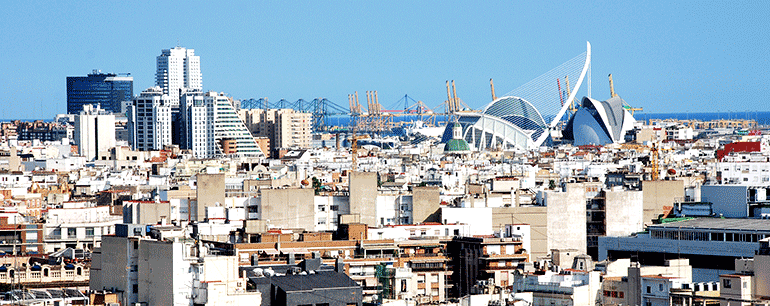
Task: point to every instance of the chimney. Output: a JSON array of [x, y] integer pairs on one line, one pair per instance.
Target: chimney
[[290, 260], [339, 265]]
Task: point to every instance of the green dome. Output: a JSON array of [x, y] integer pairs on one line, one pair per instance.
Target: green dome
[[456, 145]]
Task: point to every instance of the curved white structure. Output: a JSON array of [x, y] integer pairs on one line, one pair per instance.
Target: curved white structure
[[521, 119]]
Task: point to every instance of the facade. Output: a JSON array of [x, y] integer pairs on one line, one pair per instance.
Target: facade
[[228, 126], [285, 128], [210, 127], [197, 132], [108, 90], [169, 271], [149, 120], [94, 131], [177, 69], [711, 244], [599, 122]]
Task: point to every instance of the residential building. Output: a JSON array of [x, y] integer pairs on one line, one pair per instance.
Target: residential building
[[167, 269], [94, 131], [108, 90], [178, 68], [210, 127], [285, 128], [149, 120]]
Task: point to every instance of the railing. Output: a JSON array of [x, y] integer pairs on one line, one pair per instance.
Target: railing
[[39, 276]]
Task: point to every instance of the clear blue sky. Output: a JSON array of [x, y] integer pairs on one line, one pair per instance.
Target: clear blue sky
[[665, 56]]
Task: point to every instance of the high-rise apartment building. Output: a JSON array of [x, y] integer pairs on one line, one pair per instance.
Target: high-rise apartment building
[[286, 128], [212, 128], [94, 131], [178, 69], [149, 120], [107, 90]]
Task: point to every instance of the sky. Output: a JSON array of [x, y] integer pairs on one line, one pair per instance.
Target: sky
[[665, 56]]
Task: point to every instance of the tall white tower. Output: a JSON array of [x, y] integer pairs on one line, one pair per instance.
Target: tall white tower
[[177, 69]]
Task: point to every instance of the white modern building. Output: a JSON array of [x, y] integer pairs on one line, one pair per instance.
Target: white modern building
[[178, 68], [211, 127], [149, 120], [197, 125], [229, 128], [94, 131]]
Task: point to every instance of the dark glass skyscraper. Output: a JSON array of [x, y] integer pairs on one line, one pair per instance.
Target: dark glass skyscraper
[[107, 90]]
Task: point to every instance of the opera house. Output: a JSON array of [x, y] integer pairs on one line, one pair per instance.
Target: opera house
[[527, 117], [599, 122]]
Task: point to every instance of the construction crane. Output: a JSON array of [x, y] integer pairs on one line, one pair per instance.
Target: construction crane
[[613, 95], [491, 84], [654, 158], [612, 87], [354, 149]]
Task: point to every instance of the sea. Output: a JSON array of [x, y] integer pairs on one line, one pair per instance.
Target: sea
[[762, 117]]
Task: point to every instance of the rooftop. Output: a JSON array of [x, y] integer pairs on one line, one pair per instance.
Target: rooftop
[[719, 223]]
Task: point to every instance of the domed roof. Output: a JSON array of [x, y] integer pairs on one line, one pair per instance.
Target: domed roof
[[456, 146], [507, 107]]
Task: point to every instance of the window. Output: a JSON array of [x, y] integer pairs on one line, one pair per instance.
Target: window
[[660, 287], [648, 289], [89, 231], [72, 232], [726, 283], [135, 288]]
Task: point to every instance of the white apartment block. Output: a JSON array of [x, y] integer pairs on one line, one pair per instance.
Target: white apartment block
[[197, 125], [78, 225], [94, 131], [211, 127], [149, 120], [178, 68], [228, 126]]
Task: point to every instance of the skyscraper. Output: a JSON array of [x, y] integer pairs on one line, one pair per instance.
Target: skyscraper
[[107, 90], [149, 120], [178, 69]]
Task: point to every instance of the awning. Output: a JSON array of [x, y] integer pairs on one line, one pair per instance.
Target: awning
[[294, 250], [379, 247], [269, 252]]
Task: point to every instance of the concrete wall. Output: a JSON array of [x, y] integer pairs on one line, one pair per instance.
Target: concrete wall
[[657, 194], [363, 196], [147, 212], [623, 212], [535, 216], [567, 218], [728, 200], [762, 275], [211, 190], [113, 263], [425, 204], [289, 208], [156, 275]]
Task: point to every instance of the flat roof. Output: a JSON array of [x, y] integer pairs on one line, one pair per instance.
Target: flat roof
[[718, 223]]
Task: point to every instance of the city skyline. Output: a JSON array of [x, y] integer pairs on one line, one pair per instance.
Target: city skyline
[[665, 57]]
